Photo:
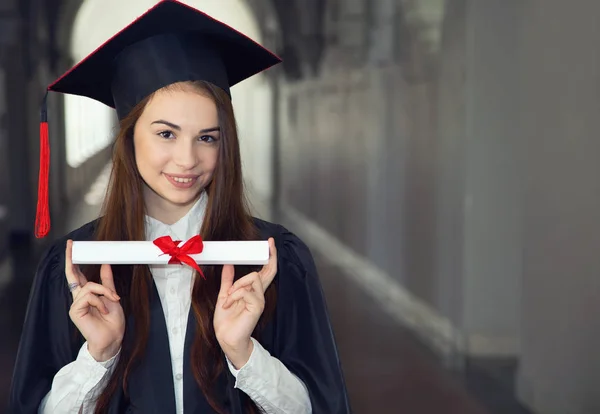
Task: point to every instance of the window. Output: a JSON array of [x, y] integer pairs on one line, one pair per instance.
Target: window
[[88, 126]]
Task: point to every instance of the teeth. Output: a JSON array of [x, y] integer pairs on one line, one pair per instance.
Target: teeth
[[182, 180]]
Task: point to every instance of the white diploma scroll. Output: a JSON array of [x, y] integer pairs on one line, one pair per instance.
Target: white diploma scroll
[[146, 252]]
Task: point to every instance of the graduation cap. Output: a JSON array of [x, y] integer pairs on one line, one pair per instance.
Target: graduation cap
[[172, 42]]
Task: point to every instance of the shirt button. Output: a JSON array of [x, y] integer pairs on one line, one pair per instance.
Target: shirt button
[[178, 377], [172, 290], [175, 331]]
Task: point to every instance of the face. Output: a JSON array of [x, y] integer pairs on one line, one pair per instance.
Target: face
[[176, 142]]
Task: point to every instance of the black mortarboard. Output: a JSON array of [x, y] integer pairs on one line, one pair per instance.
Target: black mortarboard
[[171, 42]]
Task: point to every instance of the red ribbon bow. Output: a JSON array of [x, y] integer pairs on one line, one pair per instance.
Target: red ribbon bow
[[181, 254]]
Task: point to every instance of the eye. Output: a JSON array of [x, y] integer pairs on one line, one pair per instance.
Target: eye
[[166, 134], [207, 138]]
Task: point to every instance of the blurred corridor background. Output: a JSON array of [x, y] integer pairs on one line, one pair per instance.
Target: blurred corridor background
[[439, 157]]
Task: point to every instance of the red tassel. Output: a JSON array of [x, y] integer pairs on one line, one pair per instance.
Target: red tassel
[[42, 218]]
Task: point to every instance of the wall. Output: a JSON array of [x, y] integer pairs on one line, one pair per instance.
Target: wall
[[493, 177], [404, 158], [360, 164], [560, 371], [461, 191], [450, 167], [4, 177], [16, 69]]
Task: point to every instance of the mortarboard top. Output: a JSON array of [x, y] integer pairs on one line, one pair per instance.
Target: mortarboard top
[[171, 42]]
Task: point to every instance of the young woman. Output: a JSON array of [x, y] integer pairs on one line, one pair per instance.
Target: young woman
[[165, 339]]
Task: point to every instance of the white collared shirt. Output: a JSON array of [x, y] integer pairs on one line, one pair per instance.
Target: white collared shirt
[[174, 284], [263, 378]]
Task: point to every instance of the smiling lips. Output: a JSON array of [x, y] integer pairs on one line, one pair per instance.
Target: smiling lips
[[182, 181]]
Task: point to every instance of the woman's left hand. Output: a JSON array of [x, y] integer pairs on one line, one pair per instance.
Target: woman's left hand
[[239, 307]]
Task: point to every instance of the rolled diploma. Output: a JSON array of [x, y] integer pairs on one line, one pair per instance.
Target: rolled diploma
[[146, 252]]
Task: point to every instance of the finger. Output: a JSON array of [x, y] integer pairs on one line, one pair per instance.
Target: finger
[[75, 271], [243, 282], [106, 276], [71, 273], [253, 298], [266, 274], [255, 288], [227, 275], [81, 306], [71, 278], [268, 271], [97, 289]]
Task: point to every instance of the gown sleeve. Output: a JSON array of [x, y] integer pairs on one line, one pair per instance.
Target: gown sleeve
[[49, 340], [303, 339]]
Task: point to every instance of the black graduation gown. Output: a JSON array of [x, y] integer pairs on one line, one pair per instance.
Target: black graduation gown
[[299, 335]]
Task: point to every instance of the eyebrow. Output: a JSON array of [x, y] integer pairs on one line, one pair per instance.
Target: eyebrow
[[178, 128]]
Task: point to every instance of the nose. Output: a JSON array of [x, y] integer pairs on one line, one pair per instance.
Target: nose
[[184, 155]]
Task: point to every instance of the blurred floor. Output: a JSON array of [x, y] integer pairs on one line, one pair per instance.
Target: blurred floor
[[387, 369]]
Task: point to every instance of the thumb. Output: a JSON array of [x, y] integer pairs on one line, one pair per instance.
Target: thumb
[[106, 276], [227, 275]]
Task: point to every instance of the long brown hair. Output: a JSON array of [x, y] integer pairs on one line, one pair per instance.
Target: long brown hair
[[227, 217]]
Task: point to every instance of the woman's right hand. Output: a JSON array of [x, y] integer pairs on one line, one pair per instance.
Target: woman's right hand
[[96, 310]]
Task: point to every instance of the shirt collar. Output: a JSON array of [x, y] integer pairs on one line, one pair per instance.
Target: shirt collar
[[186, 227]]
